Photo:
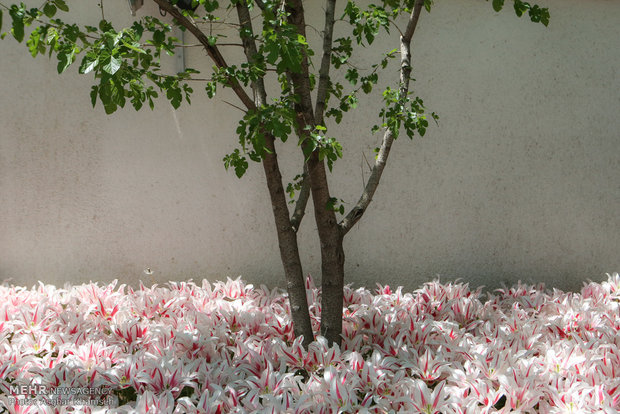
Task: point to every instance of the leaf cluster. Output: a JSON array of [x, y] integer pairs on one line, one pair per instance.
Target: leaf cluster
[[403, 112], [126, 67], [276, 120], [537, 14], [125, 63]]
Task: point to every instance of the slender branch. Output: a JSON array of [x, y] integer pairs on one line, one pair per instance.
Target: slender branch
[[261, 97], [200, 45], [388, 137], [188, 79], [235, 106], [249, 47], [302, 201], [216, 23], [212, 50], [304, 194], [393, 23], [413, 21], [328, 31]]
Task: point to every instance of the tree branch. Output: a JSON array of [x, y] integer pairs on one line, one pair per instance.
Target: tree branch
[[304, 194], [328, 31], [388, 137], [413, 21], [249, 47], [315, 182], [287, 238], [301, 81], [212, 50]]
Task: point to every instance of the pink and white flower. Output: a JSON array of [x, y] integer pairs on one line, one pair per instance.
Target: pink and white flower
[[228, 347]]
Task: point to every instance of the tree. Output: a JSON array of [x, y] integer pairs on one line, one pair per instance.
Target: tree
[[126, 67]]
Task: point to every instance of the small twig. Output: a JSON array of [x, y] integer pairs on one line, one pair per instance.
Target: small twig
[[362, 170], [235, 106], [223, 23], [199, 45], [317, 31], [101, 6], [396, 26], [367, 163], [212, 50]]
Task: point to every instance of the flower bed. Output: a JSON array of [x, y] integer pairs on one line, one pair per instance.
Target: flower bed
[[228, 347]]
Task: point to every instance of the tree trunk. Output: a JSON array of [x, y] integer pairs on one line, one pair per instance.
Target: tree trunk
[[289, 252], [286, 229], [332, 253], [330, 234]]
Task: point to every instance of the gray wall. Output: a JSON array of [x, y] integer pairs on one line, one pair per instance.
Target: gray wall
[[520, 180]]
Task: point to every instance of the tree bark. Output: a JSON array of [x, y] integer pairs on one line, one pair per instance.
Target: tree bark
[[289, 251], [287, 237], [286, 231], [330, 235], [332, 253]]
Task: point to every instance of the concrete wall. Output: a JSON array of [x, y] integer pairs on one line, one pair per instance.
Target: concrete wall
[[521, 179]]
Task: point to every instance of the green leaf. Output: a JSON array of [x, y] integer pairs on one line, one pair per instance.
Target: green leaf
[[158, 37], [134, 46], [49, 10], [33, 42], [332, 204], [307, 146], [236, 160], [88, 64], [112, 94], [64, 61], [520, 7], [93, 94], [367, 87], [352, 76], [498, 4], [545, 17], [17, 15], [105, 26], [110, 108], [112, 66], [175, 97], [52, 35], [211, 88], [61, 5]]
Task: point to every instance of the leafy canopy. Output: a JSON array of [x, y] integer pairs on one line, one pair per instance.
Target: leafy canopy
[[126, 66]]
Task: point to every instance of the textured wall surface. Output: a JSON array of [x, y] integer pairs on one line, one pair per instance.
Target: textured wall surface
[[520, 180]]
